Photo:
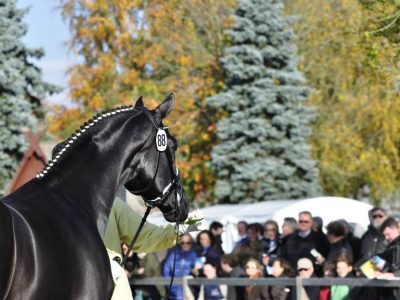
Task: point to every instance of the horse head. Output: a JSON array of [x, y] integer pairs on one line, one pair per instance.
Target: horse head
[[125, 146], [156, 177]]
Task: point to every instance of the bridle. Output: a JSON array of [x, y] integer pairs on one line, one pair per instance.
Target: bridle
[[173, 186]]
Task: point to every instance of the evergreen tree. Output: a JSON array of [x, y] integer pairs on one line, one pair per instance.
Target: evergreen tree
[[21, 89], [263, 152]]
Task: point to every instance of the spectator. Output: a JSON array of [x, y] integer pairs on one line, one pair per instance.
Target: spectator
[[254, 270], [211, 292], [242, 231], [185, 260], [148, 267], [329, 271], [354, 242], [391, 256], [318, 224], [270, 238], [230, 267], [280, 268], [302, 242], [336, 233], [204, 252], [344, 269], [373, 242], [305, 269], [252, 248], [204, 247], [289, 226], [216, 229]]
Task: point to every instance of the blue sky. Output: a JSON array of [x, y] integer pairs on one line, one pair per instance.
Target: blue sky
[[47, 30]]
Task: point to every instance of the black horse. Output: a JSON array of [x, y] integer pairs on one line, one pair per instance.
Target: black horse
[[51, 228]]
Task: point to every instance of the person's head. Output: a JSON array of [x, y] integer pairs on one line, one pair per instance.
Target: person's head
[[271, 230], [281, 268], [347, 228], [252, 232], [305, 221], [318, 224], [216, 228], [186, 242], [305, 268], [377, 215], [343, 266], [335, 231], [210, 269], [253, 268], [242, 228], [289, 226], [205, 238], [229, 262], [329, 269], [390, 229]]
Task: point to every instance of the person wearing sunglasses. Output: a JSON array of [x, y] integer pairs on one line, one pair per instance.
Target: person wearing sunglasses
[[185, 261], [305, 269], [304, 242], [373, 241]]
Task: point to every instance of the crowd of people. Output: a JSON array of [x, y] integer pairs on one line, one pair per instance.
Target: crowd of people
[[299, 248]]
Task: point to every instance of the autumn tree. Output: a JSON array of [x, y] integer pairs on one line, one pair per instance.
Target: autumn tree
[[149, 48], [21, 89], [354, 74], [263, 152]]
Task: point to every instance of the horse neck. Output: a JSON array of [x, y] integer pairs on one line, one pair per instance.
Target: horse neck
[[91, 177]]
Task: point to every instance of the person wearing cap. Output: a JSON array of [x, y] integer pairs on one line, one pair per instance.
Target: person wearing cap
[[305, 269]]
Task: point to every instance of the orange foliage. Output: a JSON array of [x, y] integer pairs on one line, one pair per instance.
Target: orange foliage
[[149, 48]]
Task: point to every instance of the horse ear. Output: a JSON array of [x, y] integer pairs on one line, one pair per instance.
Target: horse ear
[[139, 102], [165, 108]]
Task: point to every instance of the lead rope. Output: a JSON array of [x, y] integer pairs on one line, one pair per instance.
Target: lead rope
[[136, 235], [176, 249]]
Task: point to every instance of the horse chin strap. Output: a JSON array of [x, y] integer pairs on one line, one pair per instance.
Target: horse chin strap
[[172, 186]]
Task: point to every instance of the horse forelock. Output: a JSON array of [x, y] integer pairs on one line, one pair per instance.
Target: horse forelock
[[84, 132]]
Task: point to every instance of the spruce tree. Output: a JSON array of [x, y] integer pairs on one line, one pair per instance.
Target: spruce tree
[[21, 89], [263, 152]]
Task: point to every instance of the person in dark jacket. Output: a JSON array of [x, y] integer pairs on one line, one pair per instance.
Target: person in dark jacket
[[305, 269], [271, 238], [354, 242], [336, 233], [280, 269], [302, 242], [211, 292], [391, 256], [230, 267], [252, 248], [289, 226], [216, 229], [373, 242]]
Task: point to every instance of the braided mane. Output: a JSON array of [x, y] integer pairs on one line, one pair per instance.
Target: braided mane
[[69, 144]]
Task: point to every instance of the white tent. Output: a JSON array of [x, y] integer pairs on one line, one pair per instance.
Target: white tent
[[328, 208]]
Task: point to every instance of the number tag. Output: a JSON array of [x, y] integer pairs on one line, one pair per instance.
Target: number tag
[[161, 140]]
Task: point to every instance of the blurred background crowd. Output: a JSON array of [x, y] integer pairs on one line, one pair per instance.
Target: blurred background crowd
[[302, 247]]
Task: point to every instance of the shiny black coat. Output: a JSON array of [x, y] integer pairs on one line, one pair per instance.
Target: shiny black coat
[[51, 228]]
